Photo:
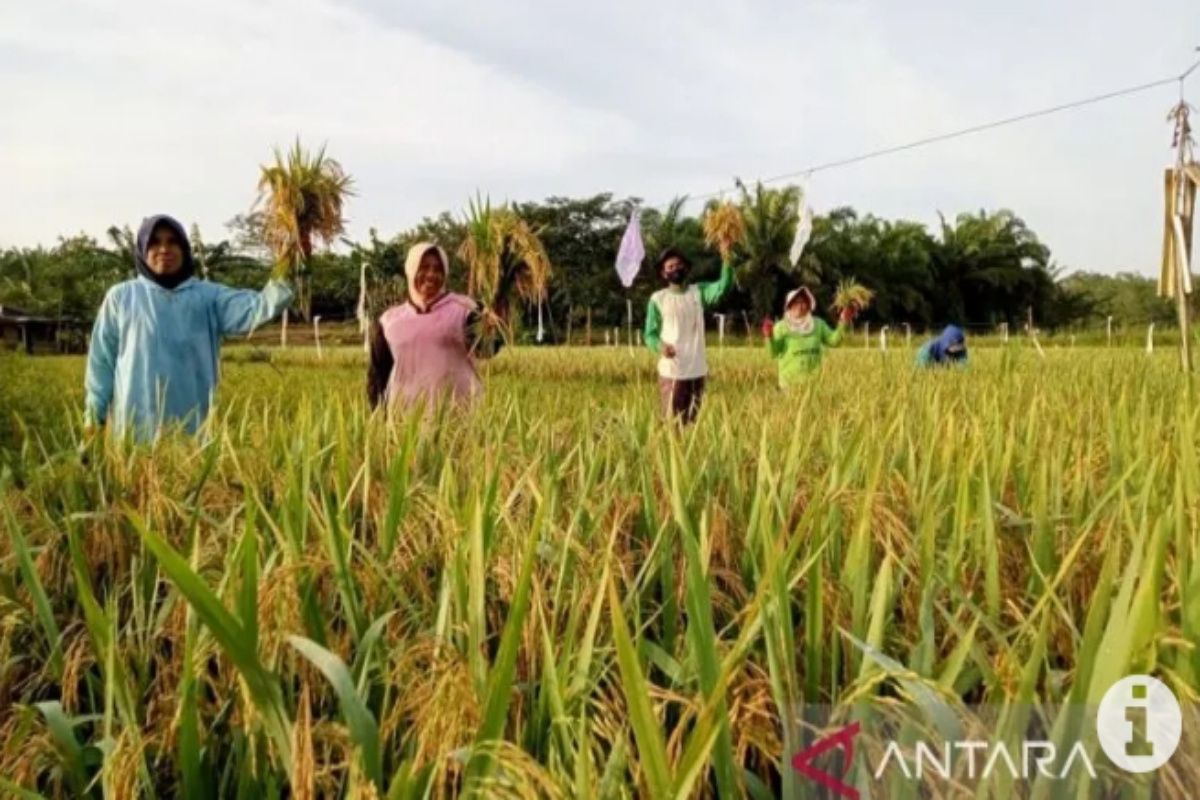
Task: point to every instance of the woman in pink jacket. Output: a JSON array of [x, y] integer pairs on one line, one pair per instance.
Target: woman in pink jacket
[[425, 349]]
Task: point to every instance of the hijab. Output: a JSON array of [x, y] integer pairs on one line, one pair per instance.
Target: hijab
[[145, 232], [413, 261], [804, 325], [939, 349]]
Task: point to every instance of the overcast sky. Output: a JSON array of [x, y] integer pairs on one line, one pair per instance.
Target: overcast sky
[[110, 111]]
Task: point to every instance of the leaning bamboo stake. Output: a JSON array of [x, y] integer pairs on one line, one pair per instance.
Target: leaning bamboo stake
[[1175, 278], [364, 325]]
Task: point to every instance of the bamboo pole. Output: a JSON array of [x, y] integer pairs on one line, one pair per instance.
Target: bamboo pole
[[1182, 283]]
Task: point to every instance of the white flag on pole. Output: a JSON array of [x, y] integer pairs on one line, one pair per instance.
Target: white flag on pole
[[804, 223], [629, 257]]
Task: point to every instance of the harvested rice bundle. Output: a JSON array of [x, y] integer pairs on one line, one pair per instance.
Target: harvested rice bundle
[[852, 295], [724, 227], [301, 196], [506, 260]]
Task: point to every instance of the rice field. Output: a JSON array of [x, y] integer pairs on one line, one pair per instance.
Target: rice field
[[559, 595]]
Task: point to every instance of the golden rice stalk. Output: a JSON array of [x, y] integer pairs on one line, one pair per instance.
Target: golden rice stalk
[[853, 295], [724, 227], [301, 196], [506, 260], [303, 761]]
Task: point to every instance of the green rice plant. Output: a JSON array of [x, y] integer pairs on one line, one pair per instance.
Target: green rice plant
[[556, 594]]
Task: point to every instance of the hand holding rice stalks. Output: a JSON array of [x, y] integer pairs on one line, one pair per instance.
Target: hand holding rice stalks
[[506, 260], [302, 195], [852, 296], [724, 227]]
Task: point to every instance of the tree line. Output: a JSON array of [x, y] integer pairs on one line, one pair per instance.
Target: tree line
[[980, 269]]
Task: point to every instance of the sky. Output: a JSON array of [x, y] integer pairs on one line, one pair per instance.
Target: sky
[[111, 111]]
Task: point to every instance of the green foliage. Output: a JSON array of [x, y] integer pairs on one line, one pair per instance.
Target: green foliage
[[1131, 299], [980, 269]]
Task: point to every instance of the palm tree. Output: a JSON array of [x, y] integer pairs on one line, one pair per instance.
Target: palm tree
[[303, 196], [770, 217], [219, 260], [669, 228], [506, 260]]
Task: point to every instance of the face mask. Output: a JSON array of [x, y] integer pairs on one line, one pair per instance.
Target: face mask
[[678, 274]]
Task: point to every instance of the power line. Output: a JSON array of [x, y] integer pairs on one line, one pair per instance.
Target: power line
[[986, 126]]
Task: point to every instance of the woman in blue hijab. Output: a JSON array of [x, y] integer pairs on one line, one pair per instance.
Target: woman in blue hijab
[[947, 349], [155, 346]]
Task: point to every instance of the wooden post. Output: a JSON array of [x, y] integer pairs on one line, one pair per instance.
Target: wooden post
[[570, 319], [883, 339], [1150, 340], [720, 330], [629, 321], [907, 335], [283, 331], [588, 337], [317, 335], [867, 335], [1109, 330]]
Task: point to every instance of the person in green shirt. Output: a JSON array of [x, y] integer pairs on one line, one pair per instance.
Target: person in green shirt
[[675, 332], [798, 341]]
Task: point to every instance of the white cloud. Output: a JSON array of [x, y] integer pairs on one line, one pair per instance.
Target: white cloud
[[114, 110]]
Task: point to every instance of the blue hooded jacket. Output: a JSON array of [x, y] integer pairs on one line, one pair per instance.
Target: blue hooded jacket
[[935, 352], [155, 347]]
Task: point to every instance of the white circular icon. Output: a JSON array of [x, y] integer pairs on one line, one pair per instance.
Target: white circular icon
[[1139, 723]]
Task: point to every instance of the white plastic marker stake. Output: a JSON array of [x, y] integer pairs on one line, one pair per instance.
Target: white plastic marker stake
[[317, 335], [361, 311], [1110, 330], [720, 329], [867, 335], [1150, 340], [1036, 344], [606, 335], [883, 339], [283, 331], [907, 335], [541, 332], [1004, 330]]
